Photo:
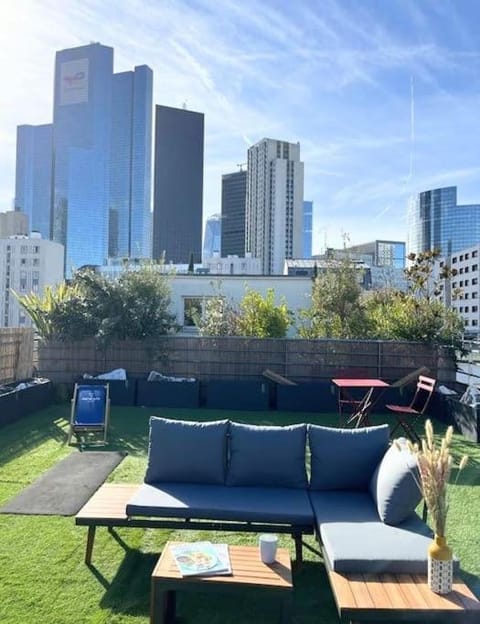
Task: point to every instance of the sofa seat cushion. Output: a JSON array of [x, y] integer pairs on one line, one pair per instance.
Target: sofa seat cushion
[[356, 540], [217, 502], [267, 456], [345, 459], [186, 451]]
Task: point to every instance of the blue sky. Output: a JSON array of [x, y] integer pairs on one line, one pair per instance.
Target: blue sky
[[335, 75]]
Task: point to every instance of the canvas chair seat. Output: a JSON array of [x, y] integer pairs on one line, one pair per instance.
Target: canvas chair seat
[[90, 411]]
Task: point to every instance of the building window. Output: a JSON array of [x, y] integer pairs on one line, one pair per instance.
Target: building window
[[467, 256], [474, 322], [23, 249], [23, 261], [475, 294], [466, 309], [36, 249], [474, 254], [36, 262], [454, 260], [35, 281], [461, 283], [466, 295], [474, 281], [461, 258], [23, 281], [466, 282], [474, 308], [474, 267], [192, 307]]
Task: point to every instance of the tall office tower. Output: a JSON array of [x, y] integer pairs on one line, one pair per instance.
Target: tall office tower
[[307, 228], [13, 222], [33, 176], [82, 116], [178, 184], [101, 157], [435, 221], [130, 228], [213, 236], [234, 193], [274, 205]]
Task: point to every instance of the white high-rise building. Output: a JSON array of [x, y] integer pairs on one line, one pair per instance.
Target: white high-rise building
[[274, 206], [27, 264]]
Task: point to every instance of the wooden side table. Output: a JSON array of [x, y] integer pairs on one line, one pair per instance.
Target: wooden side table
[[247, 571], [400, 597]]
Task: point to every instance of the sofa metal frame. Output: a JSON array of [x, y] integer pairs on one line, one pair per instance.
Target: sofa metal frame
[[107, 508]]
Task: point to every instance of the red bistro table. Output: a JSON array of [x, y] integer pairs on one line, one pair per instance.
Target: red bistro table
[[363, 405]]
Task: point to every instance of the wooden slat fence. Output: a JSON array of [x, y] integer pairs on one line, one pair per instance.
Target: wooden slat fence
[[245, 358], [16, 353]]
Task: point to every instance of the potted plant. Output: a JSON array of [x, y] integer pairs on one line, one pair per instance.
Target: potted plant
[[434, 467]]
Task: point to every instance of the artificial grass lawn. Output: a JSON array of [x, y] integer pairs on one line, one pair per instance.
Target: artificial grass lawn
[[43, 577]]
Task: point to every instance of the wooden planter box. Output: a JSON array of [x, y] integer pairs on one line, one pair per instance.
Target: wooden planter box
[[168, 393], [238, 395], [466, 418]]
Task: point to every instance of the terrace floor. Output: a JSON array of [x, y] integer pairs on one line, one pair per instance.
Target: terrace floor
[[43, 577]]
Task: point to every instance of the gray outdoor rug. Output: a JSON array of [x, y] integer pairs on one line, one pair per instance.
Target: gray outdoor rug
[[65, 488]]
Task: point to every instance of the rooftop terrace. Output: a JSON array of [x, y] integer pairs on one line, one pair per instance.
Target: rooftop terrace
[[43, 577]]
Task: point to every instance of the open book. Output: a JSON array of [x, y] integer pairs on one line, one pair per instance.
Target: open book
[[201, 559]]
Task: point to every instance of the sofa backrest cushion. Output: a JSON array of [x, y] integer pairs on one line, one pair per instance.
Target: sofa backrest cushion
[[181, 451], [345, 459], [395, 484], [267, 456]]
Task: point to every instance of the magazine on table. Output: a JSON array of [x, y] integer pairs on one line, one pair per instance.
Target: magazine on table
[[202, 559]]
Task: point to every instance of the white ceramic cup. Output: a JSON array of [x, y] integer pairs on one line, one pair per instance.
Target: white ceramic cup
[[268, 547]]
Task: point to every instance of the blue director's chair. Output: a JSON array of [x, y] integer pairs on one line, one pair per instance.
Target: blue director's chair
[[90, 411]]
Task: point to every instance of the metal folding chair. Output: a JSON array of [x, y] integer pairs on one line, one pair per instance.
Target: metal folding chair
[[408, 415]]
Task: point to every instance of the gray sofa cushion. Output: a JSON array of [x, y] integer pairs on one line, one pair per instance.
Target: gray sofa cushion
[[187, 452], [217, 502], [395, 484], [345, 459], [355, 539], [267, 456]]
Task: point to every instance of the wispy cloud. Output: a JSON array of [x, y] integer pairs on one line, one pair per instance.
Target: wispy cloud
[[333, 75]]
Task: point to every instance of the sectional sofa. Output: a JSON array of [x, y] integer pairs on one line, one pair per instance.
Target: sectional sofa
[[359, 494]]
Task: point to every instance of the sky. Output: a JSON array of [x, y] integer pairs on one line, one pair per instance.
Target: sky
[[383, 95]]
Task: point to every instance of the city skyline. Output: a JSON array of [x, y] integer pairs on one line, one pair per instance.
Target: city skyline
[[383, 99]]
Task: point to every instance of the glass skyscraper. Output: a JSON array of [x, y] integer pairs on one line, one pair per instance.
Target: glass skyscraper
[[213, 236], [234, 194], [85, 180], [130, 166], [82, 116], [178, 185], [33, 176], [435, 221], [307, 228]]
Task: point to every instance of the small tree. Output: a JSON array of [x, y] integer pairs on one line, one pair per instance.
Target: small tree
[[261, 317], [335, 310], [135, 306]]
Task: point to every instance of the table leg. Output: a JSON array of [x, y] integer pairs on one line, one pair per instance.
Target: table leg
[[162, 605], [90, 540], [286, 615]]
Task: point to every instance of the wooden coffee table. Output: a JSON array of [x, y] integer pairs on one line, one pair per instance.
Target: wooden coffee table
[[247, 572], [400, 597]]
